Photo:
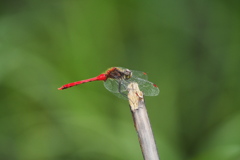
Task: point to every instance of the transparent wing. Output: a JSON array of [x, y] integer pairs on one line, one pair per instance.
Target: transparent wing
[[123, 96], [140, 74], [115, 86], [111, 85], [118, 88], [148, 88]]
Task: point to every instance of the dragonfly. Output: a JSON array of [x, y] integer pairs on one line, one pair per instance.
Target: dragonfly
[[117, 79]]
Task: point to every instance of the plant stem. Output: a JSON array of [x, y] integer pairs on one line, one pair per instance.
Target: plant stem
[[142, 123]]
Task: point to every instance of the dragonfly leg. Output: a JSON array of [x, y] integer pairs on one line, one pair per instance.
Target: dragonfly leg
[[120, 91]]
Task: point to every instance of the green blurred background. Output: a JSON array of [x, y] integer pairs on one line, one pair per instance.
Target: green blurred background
[[189, 48]]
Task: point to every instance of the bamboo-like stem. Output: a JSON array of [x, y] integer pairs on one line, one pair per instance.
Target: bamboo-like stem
[[142, 123]]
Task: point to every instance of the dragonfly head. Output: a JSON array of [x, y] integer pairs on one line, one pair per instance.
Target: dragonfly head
[[127, 74]]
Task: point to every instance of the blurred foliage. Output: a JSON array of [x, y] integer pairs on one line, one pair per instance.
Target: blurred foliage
[[189, 48]]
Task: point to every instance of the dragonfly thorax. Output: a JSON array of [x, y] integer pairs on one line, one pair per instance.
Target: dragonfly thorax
[[116, 73]]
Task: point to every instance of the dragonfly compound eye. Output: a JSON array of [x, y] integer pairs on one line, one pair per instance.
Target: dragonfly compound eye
[[127, 73]]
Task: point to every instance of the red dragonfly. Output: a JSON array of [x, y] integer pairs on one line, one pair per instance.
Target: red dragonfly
[[117, 79]]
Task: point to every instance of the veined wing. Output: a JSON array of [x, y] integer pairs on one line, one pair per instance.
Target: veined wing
[[115, 86], [148, 88]]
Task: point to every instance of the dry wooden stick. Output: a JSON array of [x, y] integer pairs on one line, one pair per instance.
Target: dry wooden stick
[[142, 123]]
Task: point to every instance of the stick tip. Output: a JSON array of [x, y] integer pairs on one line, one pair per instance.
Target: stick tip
[[134, 95]]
